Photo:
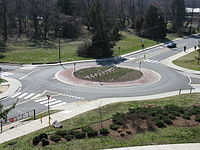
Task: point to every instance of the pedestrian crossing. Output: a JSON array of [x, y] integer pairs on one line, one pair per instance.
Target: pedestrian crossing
[[6, 74], [151, 61], [52, 102]]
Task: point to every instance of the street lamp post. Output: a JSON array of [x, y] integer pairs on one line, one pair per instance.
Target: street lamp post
[[59, 59]]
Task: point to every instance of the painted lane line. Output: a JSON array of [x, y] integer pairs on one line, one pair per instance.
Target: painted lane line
[[28, 74], [46, 101], [22, 95], [39, 100], [29, 96], [55, 102], [58, 104], [17, 94]]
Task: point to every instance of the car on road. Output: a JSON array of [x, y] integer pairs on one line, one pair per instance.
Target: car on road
[[171, 45]]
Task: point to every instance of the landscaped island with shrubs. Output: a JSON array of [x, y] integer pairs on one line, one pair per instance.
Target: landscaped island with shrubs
[[126, 125], [168, 120]]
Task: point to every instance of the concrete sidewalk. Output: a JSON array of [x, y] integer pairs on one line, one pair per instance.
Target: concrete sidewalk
[[191, 146]]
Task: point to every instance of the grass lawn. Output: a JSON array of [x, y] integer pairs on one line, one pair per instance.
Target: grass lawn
[[167, 135], [188, 61], [26, 52]]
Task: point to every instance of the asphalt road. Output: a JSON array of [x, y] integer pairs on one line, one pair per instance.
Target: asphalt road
[[40, 81]]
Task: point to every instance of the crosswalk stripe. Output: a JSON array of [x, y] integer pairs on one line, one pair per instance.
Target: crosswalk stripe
[[55, 102], [17, 94], [39, 100], [146, 60], [36, 96], [46, 101], [150, 60], [58, 104], [29, 96], [22, 95]]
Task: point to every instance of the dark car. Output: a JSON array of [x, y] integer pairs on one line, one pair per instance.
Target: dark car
[[171, 45]]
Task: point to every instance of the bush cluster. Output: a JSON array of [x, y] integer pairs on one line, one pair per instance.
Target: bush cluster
[[104, 131], [55, 138]]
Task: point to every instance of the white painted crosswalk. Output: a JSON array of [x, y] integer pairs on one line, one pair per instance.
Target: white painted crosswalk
[[52, 102], [152, 61]]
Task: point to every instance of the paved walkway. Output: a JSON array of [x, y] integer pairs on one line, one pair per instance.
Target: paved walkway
[[72, 109]]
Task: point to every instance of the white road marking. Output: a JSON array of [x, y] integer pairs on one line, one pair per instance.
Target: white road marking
[[55, 102], [36, 96], [39, 100], [29, 96], [22, 95], [28, 67], [28, 74], [58, 105], [17, 94], [46, 101], [146, 60], [6, 74]]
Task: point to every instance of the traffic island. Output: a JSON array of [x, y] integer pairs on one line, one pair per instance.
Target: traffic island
[[109, 76]]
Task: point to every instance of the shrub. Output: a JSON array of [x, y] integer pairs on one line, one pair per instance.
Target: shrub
[[68, 137], [167, 121], [160, 124], [197, 118], [186, 116], [118, 118], [195, 110], [84, 49], [45, 142], [2, 56], [114, 126], [104, 131], [61, 132], [92, 133], [78, 134], [55, 138], [43, 136], [86, 129], [36, 140]]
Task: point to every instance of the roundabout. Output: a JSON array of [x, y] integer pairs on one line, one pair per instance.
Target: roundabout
[[109, 76]]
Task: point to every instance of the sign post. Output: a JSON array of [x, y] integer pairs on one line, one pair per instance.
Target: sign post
[[48, 96]]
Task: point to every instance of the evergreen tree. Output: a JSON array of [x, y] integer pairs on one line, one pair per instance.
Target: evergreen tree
[[178, 14], [101, 28], [67, 6], [154, 26], [139, 22]]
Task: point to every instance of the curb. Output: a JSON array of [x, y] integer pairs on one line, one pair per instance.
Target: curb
[[169, 62], [15, 85]]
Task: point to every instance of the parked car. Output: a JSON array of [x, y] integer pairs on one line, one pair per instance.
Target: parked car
[[171, 45]]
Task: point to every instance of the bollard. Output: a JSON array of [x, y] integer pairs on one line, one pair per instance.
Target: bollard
[[34, 114], [1, 126], [180, 91], [191, 90]]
